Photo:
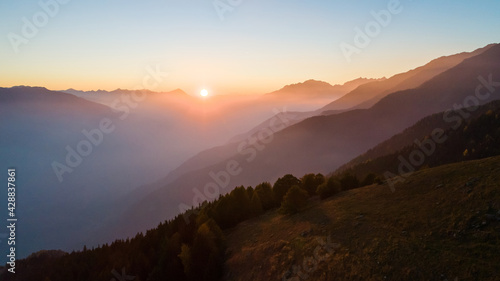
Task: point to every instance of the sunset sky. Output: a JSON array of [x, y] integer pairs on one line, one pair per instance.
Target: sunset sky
[[257, 47]]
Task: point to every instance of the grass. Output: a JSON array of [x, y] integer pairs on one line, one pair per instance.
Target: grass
[[438, 225]]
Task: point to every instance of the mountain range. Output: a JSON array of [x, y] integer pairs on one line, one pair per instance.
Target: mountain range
[[317, 144], [171, 151]]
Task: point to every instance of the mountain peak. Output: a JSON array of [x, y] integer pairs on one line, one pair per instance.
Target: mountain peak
[[313, 81], [359, 81], [307, 83], [178, 91], [30, 87]]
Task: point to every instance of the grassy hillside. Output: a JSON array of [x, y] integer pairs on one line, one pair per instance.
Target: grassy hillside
[[441, 224]]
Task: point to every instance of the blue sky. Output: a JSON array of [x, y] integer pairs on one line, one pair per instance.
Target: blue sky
[[258, 47]]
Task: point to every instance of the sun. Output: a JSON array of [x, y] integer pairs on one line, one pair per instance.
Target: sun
[[204, 93]]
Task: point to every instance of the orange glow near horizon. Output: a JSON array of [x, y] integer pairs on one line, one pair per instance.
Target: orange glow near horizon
[[96, 45]]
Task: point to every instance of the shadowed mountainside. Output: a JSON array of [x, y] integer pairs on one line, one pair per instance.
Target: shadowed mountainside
[[368, 94], [476, 134]]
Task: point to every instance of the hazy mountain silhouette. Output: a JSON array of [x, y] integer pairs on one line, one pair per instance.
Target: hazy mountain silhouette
[[108, 97], [363, 93], [312, 89], [154, 136], [158, 132], [40, 124], [384, 156], [311, 94], [368, 94], [323, 143]]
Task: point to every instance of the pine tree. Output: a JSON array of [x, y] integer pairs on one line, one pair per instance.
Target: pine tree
[[349, 181], [250, 192], [240, 203], [310, 183], [266, 195], [256, 205], [282, 185], [294, 200], [331, 187]]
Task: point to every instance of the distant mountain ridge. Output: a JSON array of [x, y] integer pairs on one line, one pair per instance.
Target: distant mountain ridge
[[314, 88], [304, 91], [368, 94], [311, 93], [108, 97], [363, 93]]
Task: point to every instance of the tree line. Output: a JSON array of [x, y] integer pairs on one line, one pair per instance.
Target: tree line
[[185, 249]]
